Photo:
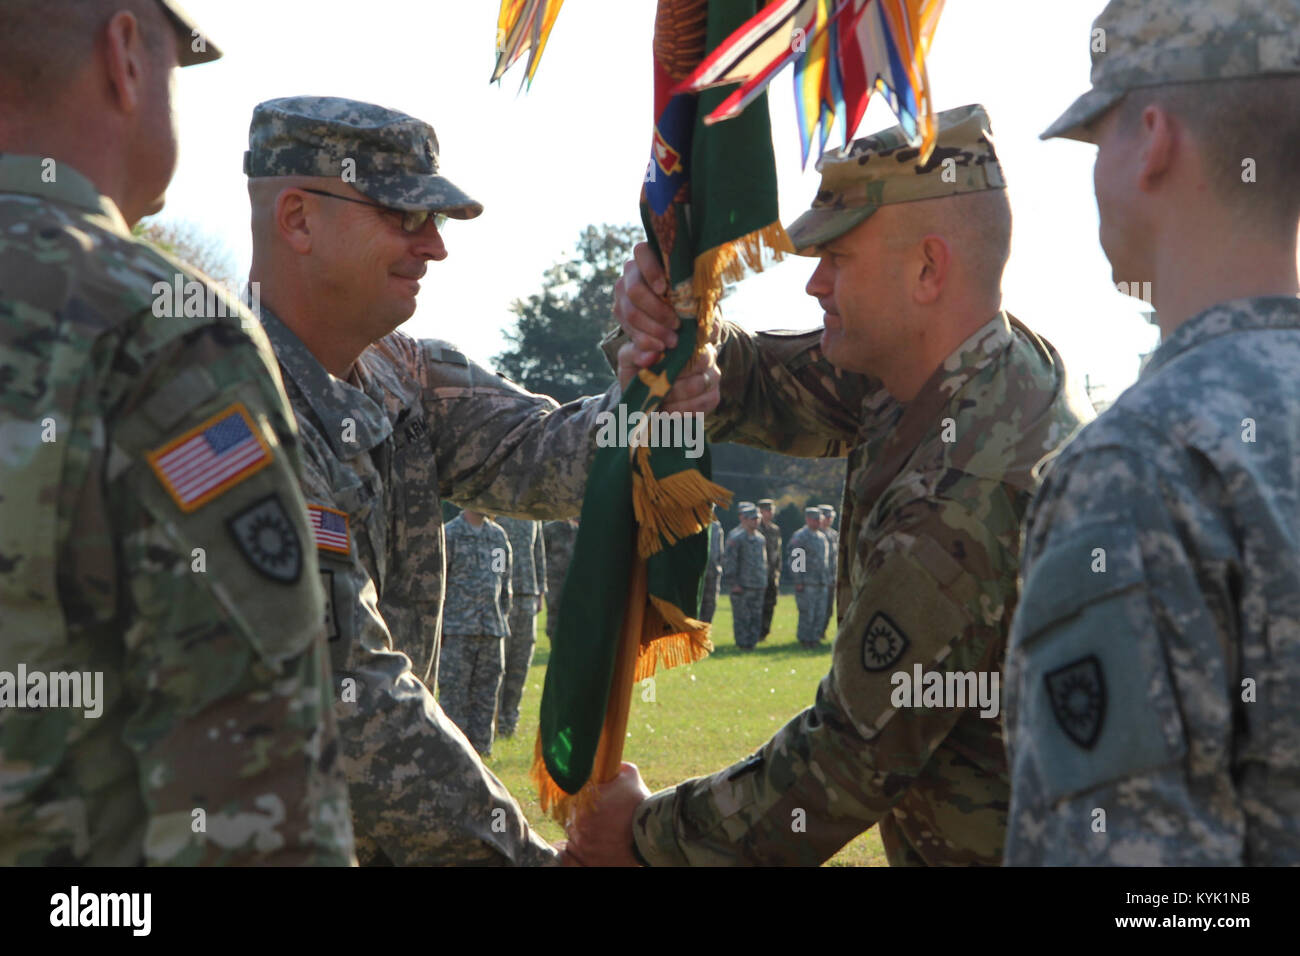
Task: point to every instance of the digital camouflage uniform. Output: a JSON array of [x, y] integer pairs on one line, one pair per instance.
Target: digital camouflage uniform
[[187, 581], [712, 573], [931, 535], [744, 566], [415, 422], [811, 558], [475, 623], [559, 538], [528, 584], [772, 536], [1152, 708]]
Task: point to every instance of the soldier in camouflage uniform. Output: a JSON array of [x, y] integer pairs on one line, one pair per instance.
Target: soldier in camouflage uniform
[[744, 574], [712, 572], [528, 584], [152, 533], [1152, 711], [906, 358], [833, 536], [811, 559], [475, 624], [560, 537], [771, 533], [346, 204]]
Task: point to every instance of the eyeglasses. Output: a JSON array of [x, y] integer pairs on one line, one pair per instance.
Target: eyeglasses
[[412, 220]]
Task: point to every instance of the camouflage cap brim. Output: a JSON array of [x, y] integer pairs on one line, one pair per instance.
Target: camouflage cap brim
[[415, 192], [1087, 108], [817, 227], [193, 47]]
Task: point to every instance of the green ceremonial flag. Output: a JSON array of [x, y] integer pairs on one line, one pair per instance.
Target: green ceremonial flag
[[709, 205]]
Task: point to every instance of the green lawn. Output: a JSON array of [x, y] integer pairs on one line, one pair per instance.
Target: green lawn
[[704, 717]]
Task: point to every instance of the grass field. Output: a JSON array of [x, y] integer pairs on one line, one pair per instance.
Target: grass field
[[704, 717]]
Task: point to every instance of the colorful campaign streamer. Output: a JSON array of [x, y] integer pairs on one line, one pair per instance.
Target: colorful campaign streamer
[[523, 26]]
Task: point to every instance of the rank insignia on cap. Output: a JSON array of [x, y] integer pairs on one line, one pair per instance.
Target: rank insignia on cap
[[1078, 695], [210, 459], [267, 538], [330, 529], [883, 644]]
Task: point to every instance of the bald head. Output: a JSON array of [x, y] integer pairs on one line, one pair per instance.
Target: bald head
[[46, 44]]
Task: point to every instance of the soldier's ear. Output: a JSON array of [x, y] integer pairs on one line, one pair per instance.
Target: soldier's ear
[[292, 221]]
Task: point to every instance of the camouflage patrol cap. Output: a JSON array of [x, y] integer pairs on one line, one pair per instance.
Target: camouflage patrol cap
[[747, 509], [826, 510], [766, 503], [880, 169], [1138, 43], [394, 157], [189, 35], [812, 511]]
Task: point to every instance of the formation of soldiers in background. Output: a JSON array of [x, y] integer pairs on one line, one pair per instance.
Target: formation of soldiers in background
[[747, 562], [498, 570]]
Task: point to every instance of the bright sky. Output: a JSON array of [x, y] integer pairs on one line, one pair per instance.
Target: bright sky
[[573, 151]]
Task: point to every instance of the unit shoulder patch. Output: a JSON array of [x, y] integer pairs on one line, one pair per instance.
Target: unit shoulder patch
[[266, 537], [1077, 692]]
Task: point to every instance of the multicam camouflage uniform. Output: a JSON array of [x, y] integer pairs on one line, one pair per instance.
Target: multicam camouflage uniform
[[191, 587], [474, 627], [560, 537], [528, 584], [712, 573], [744, 566], [927, 571], [811, 559], [415, 422], [1152, 711]]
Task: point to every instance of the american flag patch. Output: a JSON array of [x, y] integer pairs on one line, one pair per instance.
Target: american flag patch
[[210, 459], [330, 529]]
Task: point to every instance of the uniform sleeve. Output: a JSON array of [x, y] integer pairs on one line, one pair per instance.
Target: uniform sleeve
[[502, 449], [420, 794], [1121, 694], [226, 664], [842, 764], [780, 393]]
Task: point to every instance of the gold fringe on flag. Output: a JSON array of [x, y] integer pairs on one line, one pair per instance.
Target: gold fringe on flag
[[729, 263]]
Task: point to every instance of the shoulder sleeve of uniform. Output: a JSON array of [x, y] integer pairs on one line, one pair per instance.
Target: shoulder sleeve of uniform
[[1120, 658], [225, 603], [501, 448]]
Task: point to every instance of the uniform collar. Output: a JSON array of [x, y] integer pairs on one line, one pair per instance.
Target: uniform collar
[[973, 355], [1239, 315], [26, 175], [333, 401]]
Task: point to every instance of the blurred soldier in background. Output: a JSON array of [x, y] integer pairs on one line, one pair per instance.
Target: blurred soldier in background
[[772, 535], [475, 622], [744, 574], [811, 559], [528, 584]]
